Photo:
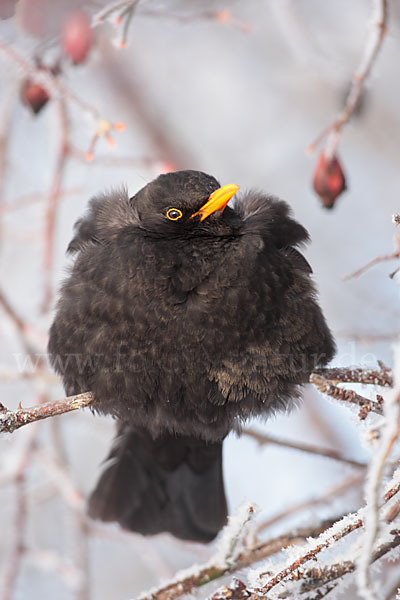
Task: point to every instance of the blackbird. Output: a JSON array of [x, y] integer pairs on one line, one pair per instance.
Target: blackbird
[[184, 317]]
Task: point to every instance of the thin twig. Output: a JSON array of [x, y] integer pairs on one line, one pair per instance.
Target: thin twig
[[27, 200], [371, 263], [224, 17], [110, 9], [116, 161], [264, 439], [49, 560], [368, 337], [21, 326], [373, 46], [127, 15], [51, 83], [333, 493], [12, 314]]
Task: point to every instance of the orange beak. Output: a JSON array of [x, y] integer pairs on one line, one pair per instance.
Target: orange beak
[[217, 201]]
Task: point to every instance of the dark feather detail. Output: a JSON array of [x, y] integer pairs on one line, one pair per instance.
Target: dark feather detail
[[170, 484], [271, 218], [106, 216]]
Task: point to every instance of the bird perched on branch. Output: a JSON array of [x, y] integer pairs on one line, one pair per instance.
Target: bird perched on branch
[[184, 317]]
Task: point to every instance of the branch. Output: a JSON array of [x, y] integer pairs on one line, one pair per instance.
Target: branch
[[371, 263], [389, 434], [373, 46], [318, 576], [313, 578], [333, 493], [21, 326], [379, 259], [340, 530], [264, 439], [184, 584], [329, 389], [351, 523], [56, 90], [122, 13], [382, 376], [27, 200], [10, 421], [50, 82]]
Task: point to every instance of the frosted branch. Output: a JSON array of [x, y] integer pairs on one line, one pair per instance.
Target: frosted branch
[[190, 579], [390, 433], [325, 386], [382, 376], [292, 570]]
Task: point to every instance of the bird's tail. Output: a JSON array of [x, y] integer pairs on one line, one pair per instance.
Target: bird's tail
[[172, 483]]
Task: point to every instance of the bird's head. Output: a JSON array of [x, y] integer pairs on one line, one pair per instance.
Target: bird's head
[[185, 203]]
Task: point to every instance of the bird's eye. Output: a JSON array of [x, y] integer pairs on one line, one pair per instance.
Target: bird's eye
[[174, 214]]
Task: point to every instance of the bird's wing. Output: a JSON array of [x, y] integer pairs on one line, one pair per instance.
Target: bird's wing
[[298, 260], [287, 332], [270, 218]]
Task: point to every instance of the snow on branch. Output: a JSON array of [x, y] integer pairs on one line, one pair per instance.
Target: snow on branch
[[269, 575], [325, 386], [382, 376], [355, 542], [188, 580], [389, 434]]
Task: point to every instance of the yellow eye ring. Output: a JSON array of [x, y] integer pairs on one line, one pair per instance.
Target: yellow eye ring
[[174, 214]]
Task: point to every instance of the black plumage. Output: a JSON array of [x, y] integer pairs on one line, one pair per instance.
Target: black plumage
[[184, 322]]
